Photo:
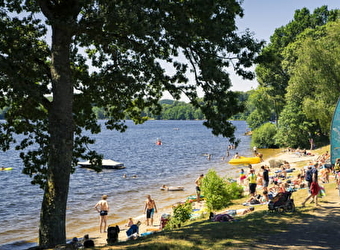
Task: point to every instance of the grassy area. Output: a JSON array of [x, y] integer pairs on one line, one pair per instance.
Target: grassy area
[[247, 232]]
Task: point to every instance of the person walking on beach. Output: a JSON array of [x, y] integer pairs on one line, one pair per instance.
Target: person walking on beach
[[198, 183], [314, 187], [150, 208], [314, 191], [309, 177], [102, 208]]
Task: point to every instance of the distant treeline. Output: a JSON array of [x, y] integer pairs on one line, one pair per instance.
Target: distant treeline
[[177, 110], [171, 110]]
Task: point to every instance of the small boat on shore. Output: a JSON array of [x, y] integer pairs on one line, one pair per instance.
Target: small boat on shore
[[172, 188], [106, 164], [245, 160]]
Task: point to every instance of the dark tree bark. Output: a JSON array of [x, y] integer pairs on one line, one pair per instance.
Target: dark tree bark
[[61, 129]]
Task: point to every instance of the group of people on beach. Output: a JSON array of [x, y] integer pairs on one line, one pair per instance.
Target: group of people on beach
[[309, 177], [103, 208], [279, 182], [83, 243]]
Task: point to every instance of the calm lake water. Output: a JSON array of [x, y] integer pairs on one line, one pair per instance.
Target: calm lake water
[[177, 162]]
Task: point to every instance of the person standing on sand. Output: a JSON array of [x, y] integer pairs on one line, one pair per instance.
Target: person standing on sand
[[150, 208], [198, 183], [265, 177], [102, 208], [242, 177], [252, 182]]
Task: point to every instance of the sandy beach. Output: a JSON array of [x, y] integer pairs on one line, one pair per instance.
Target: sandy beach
[[100, 238]]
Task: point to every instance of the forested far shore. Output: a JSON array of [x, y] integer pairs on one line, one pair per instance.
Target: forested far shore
[[171, 110]]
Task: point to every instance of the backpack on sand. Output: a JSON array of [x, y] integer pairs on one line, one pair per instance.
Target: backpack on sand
[[112, 234]]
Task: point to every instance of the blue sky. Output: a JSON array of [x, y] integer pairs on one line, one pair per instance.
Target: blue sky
[[263, 16]]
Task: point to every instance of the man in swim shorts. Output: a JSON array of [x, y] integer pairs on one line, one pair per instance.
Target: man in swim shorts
[[150, 208], [102, 208], [198, 183]]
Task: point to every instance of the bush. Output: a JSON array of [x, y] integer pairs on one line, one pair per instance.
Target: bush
[[181, 214], [216, 193], [263, 137], [235, 190]]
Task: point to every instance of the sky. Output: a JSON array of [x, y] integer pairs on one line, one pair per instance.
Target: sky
[[263, 16]]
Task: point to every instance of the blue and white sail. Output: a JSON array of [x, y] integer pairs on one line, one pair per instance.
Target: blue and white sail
[[335, 134]]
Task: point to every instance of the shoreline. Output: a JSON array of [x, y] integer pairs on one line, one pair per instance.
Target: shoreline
[[100, 238]]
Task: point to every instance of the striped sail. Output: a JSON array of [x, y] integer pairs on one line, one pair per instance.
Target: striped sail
[[335, 134]]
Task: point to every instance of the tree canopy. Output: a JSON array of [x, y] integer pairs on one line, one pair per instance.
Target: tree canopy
[[313, 87], [271, 71], [115, 55], [299, 79]]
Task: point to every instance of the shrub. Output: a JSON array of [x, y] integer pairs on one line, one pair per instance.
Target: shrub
[[215, 190], [235, 190], [263, 137], [181, 213]]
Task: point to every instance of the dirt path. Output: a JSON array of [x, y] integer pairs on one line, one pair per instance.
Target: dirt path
[[321, 231]]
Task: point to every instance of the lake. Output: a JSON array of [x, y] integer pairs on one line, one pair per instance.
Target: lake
[[177, 162]]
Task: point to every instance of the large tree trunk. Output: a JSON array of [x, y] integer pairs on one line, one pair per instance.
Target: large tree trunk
[[53, 211]]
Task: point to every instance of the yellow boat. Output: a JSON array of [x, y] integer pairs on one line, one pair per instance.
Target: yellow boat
[[5, 169], [245, 160]]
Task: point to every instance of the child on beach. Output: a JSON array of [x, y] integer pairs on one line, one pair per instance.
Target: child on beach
[[133, 231], [130, 222], [242, 176]]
